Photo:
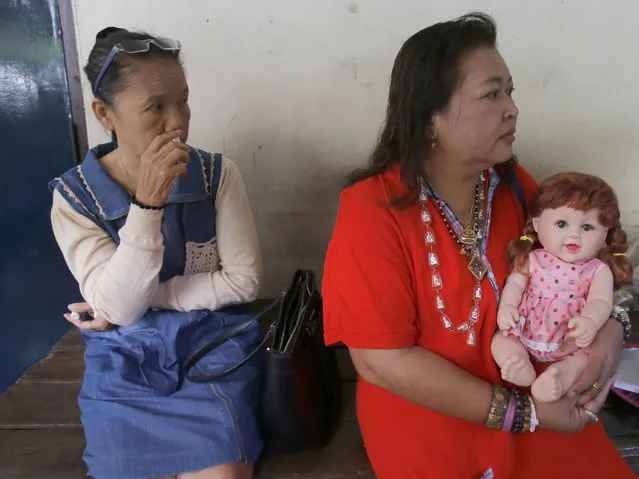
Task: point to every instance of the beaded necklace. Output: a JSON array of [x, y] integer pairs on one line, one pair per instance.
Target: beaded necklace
[[469, 241]]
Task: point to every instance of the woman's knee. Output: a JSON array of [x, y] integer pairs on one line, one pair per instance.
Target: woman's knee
[[232, 470]]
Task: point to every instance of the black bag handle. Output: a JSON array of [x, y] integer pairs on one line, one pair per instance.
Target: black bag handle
[[207, 378]]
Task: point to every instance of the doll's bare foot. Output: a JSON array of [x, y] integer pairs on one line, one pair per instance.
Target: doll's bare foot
[[548, 387], [518, 370]]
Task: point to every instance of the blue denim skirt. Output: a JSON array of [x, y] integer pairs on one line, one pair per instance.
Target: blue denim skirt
[[142, 418]]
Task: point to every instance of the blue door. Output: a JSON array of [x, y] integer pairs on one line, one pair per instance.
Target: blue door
[[35, 145]]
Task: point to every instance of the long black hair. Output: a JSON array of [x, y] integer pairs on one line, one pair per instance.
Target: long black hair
[[424, 77]]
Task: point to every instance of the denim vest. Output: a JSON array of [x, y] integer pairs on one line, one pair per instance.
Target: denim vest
[[188, 220]]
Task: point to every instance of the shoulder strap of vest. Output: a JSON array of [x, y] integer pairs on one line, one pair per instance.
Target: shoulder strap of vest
[[215, 175]]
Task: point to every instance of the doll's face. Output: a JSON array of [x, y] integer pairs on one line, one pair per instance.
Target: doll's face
[[570, 234]]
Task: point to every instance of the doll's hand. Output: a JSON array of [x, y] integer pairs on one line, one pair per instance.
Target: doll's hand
[[566, 348], [507, 317], [583, 329]]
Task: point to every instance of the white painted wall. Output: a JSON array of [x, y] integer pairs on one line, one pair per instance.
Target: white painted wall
[[294, 91]]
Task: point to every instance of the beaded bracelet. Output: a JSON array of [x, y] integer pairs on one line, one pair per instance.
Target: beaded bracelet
[[510, 414], [135, 202], [518, 421], [511, 411], [621, 315], [521, 416], [527, 414], [498, 406], [534, 422]]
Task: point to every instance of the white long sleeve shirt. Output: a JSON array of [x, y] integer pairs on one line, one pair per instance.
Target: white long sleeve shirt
[[121, 282]]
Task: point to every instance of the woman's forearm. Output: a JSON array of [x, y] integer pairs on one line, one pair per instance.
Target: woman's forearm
[[426, 379], [609, 339], [118, 282], [124, 289], [207, 290], [235, 278]]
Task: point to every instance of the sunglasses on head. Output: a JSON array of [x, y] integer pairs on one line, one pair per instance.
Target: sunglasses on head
[[133, 47]]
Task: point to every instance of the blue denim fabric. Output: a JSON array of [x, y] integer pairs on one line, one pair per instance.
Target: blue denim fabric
[[142, 418]]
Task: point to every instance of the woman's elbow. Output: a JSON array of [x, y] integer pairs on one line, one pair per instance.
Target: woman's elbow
[[377, 366], [246, 286], [253, 289], [119, 313], [364, 364]]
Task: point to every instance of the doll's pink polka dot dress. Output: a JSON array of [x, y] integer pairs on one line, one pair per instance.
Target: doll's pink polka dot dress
[[556, 292]]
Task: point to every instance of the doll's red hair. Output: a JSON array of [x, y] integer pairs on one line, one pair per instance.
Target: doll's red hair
[[582, 192]]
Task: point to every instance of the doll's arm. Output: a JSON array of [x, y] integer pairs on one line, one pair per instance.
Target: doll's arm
[[508, 313], [596, 311]]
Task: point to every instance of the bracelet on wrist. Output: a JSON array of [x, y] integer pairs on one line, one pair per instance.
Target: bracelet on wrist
[[527, 414], [534, 422], [498, 407], [518, 421], [620, 314], [135, 202], [520, 416], [511, 411], [510, 414]]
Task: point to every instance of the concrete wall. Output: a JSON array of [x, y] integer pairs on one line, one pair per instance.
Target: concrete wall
[[294, 91]]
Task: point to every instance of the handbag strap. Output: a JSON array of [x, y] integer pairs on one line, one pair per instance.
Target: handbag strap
[[239, 328]]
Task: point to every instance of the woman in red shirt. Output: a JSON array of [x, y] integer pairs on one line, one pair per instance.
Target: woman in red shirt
[[413, 275]]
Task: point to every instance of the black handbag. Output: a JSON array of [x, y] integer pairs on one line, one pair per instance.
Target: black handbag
[[301, 395]]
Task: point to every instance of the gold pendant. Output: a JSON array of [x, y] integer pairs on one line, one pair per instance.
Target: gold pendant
[[477, 266], [468, 236]]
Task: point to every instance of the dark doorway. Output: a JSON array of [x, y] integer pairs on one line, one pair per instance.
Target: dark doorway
[[38, 141]]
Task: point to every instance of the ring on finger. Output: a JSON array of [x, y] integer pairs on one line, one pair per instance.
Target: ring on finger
[[592, 417], [597, 386]]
